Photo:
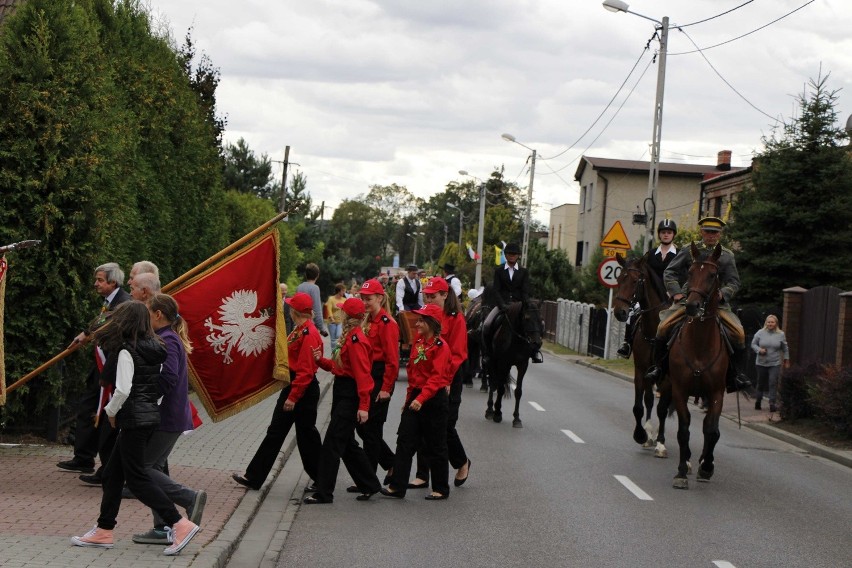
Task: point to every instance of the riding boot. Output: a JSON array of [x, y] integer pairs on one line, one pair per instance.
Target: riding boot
[[736, 379], [660, 366], [626, 349], [537, 357]]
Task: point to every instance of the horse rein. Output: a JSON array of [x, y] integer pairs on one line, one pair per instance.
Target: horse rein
[[640, 289], [706, 296]]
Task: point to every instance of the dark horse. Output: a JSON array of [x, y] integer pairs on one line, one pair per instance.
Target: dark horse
[[474, 317], [511, 343], [639, 284], [698, 361]]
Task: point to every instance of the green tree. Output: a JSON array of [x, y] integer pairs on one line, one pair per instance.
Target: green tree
[[793, 227], [248, 173]]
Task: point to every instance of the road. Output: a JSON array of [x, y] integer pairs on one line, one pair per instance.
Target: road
[[572, 489]]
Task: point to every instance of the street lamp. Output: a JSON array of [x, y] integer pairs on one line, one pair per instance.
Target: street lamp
[[480, 236], [461, 221], [414, 236], [654, 169], [525, 248]]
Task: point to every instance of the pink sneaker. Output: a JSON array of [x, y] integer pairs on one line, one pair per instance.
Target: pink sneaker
[[97, 537], [181, 533]]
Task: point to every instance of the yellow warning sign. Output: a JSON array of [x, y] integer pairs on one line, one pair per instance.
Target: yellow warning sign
[[615, 239]]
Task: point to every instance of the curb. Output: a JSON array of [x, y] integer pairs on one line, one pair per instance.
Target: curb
[[771, 431]]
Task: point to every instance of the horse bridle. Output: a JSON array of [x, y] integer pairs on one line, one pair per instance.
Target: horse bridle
[[638, 294], [706, 296]]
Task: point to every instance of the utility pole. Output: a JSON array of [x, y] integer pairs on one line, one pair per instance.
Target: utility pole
[[282, 205]]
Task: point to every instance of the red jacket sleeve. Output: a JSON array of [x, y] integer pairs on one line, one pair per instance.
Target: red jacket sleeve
[[389, 342], [456, 339], [360, 361], [437, 378], [302, 362]]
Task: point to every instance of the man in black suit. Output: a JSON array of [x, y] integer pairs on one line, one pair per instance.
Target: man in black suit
[[90, 439]]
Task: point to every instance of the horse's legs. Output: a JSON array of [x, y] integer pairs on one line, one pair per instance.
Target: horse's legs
[[683, 419], [519, 391], [498, 401], [660, 450], [489, 411], [640, 436], [711, 437]]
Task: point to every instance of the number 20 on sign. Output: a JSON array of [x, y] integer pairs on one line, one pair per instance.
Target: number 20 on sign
[[608, 272]]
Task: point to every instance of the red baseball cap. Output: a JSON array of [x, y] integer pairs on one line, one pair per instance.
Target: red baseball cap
[[431, 310], [372, 287], [300, 302], [436, 284], [353, 307]]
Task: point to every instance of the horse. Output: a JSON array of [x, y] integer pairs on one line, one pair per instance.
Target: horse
[[514, 339], [639, 284], [474, 317], [698, 361]]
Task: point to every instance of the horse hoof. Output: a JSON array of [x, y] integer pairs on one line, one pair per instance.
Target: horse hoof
[[680, 483], [704, 476], [661, 452], [489, 414], [640, 436], [498, 417], [517, 423], [688, 468], [649, 443]]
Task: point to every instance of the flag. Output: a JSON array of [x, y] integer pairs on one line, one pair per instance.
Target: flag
[[3, 266], [499, 257], [236, 323], [471, 253]]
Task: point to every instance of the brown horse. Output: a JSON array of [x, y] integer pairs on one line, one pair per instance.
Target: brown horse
[[698, 361], [639, 284]]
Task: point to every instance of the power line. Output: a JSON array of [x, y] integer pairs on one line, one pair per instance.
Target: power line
[[716, 16], [698, 49]]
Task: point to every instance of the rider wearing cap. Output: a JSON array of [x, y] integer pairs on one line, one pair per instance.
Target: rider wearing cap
[[666, 231], [674, 279]]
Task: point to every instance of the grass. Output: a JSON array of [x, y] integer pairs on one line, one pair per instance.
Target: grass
[[619, 365]]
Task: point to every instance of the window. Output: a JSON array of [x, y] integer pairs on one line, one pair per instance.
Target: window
[[717, 207], [590, 195], [578, 260], [583, 199]]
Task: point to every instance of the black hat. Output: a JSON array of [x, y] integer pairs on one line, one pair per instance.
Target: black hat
[[512, 248], [450, 268], [411, 268]]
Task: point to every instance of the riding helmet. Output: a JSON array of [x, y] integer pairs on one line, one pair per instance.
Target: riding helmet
[[667, 224]]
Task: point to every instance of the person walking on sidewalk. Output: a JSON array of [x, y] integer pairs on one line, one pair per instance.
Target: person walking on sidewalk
[[383, 333], [350, 404], [134, 411], [297, 403], [175, 416], [770, 344], [423, 425]]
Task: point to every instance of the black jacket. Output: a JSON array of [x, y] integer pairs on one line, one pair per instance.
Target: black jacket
[[515, 290], [141, 410]]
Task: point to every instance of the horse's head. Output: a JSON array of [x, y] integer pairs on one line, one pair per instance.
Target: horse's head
[[630, 283], [702, 281], [533, 325]]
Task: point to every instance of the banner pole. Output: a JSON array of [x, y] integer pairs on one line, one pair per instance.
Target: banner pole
[[173, 284]]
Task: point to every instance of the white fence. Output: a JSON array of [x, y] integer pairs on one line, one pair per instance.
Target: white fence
[[573, 327]]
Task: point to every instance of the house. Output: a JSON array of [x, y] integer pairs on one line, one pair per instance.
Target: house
[[613, 190], [562, 232]]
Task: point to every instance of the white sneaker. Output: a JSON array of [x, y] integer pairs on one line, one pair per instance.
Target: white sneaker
[[181, 533], [97, 538]]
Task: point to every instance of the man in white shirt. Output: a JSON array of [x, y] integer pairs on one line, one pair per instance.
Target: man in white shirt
[[409, 291], [452, 279]]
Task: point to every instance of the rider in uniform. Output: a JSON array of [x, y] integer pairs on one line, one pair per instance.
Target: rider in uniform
[[674, 279], [666, 231]]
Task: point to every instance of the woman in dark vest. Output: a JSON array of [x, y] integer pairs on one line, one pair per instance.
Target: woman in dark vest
[[137, 356]]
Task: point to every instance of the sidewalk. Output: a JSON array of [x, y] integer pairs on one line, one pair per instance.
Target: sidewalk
[[42, 506], [759, 420]]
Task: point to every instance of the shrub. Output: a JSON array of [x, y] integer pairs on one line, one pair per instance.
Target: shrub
[[793, 391], [831, 398]]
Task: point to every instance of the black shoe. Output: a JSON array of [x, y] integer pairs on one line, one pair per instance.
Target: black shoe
[[92, 479], [76, 465], [423, 485], [459, 482], [312, 488], [538, 357], [654, 374], [743, 382], [315, 500], [391, 493], [353, 489], [757, 405], [365, 496], [244, 482], [624, 350], [438, 497]]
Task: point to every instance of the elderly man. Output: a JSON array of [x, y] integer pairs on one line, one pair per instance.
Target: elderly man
[[141, 267], [674, 279], [90, 439], [144, 286]]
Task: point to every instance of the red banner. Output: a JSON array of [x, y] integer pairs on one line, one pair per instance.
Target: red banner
[[236, 324]]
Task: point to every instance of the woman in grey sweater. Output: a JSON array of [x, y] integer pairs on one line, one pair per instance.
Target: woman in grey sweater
[[770, 344]]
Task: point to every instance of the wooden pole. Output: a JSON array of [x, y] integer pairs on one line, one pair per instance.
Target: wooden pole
[[170, 286]]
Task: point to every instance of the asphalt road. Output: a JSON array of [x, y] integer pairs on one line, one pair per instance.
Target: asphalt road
[[572, 489]]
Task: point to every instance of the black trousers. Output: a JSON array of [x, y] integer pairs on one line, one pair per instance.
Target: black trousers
[[455, 449], [90, 440], [372, 432], [424, 432], [127, 463], [339, 443], [304, 416]]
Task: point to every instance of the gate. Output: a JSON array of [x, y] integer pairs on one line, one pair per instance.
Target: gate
[[549, 311], [597, 331], [818, 338]]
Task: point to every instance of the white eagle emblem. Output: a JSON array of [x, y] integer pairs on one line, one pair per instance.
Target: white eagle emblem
[[240, 328]]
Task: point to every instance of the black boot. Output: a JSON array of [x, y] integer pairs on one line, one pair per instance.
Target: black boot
[[626, 349], [736, 380], [537, 357], [658, 370]]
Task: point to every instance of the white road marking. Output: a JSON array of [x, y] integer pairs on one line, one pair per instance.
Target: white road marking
[[537, 406], [573, 436], [723, 564], [633, 488]]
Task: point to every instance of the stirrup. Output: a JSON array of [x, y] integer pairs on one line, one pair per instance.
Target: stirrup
[[624, 351], [537, 357]]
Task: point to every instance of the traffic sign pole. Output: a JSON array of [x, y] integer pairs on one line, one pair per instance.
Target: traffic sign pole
[[608, 323]]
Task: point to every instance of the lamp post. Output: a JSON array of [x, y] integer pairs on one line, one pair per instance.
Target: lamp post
[[525, 247], [414, 236], [461, 221], [654, 169], [480, 235]]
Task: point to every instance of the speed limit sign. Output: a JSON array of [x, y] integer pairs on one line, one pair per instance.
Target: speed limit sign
[[608, 272]]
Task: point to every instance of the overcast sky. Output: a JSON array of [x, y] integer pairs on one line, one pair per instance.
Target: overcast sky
[[411, 91]]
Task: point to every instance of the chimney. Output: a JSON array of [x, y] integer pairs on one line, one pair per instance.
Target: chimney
[[723, 160]]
